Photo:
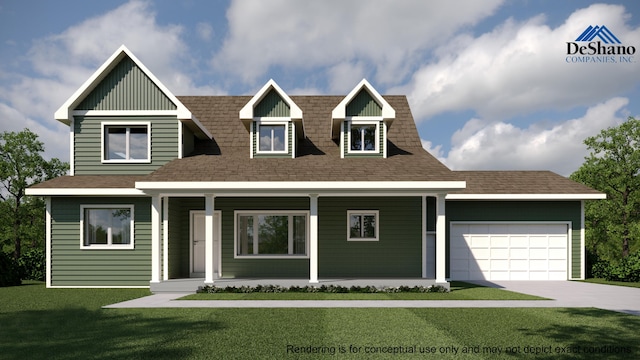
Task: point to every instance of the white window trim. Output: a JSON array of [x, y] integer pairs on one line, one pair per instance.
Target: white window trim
[[129, 246], [268, 121], [103, 153], [363, 120], [376, 213], [271, 212]]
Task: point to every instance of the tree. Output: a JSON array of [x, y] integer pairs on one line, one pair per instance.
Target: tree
[[613, 167], [21, 166]]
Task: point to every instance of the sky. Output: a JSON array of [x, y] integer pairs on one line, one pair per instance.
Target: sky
[[493, 84]]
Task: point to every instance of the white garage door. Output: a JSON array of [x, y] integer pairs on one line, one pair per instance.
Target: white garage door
[[508, 251]]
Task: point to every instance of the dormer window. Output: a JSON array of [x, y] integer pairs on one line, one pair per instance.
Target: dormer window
[[363, 137], [272, 138]]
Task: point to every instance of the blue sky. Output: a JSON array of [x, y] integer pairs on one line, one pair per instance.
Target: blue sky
[[488, 82]]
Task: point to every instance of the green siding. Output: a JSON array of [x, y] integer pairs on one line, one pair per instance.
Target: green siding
[[363, 104], [272, 105], [188, 140], [290, 135], [72, 266], [179, 237], [521, 211], [380, 152], [397, 253], [126, 87], [87, 142]]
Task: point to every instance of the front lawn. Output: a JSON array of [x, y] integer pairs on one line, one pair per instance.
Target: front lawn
[[617, 283], [459, 291], [39, 323]]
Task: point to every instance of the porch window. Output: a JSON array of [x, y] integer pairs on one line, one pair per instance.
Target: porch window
[[271, 234], [106, 227], [362, 225], [126, 143]]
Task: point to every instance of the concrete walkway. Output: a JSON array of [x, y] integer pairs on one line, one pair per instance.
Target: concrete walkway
[[562, 293]]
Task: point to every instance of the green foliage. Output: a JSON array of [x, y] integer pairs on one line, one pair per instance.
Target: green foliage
[[32, 264], [331, 289], [613, 167], [626, 270], [9, 270]]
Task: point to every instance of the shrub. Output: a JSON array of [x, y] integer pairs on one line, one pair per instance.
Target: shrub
[[627, 269], [211, 289], [32, 264], [10, 274]]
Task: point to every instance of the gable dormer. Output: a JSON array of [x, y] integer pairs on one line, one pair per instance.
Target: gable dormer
[[274, 123], [123, 120], [360, 122]]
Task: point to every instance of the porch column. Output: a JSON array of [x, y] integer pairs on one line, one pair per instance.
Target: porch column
[[313, 238], [156, 205], [209, 206], [441, 254], [165, 239], [424, 237]]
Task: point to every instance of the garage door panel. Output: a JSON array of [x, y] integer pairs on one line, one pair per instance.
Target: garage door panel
[[509, 251]]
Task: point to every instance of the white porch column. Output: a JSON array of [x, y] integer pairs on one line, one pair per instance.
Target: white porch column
[[424, 237], [441, 254], [165, 239], [156, 205], [209, 206], [313, 238], [47, 231]]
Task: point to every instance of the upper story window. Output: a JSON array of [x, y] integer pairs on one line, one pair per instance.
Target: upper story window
[[126, 142], [363, 137], [272, 138]]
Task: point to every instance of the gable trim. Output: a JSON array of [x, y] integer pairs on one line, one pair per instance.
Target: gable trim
[[246, 113]]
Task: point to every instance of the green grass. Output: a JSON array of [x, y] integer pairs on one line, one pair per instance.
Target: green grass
[[617, 283], [39, 323], [459, 291]]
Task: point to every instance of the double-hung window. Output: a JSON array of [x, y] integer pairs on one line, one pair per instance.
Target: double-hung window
[[362, 225], [271, 234], [364, 137], [106, 226], [126, 143]]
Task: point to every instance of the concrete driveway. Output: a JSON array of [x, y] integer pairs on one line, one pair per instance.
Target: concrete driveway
[[577, 294]]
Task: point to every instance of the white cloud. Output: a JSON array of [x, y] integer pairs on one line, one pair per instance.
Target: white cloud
[[389, 36], [502, 146], [204, 31], [519, 68]]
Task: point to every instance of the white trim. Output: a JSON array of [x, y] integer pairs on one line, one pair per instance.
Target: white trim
[[272, 122], [342, 140], [217, 250], [384, 140], [293, 139], [129, 246], [72, 147], [583, 249], [376, 215], [127, 125], [124, 113], [236, 213], [98, 287], [165, 239], [209, 227], [441, 228], [304, 186], [180, 140], [313, 238], [526, 196], [339, 112], [424, 237], [47, 230], [246, 113], [84, 192], [357, 121], [155, 238]]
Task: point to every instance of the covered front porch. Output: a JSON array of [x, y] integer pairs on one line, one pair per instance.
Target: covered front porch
[[415, 257]]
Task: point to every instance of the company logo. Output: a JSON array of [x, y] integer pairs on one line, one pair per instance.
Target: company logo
[[601, 32], [598, 44]]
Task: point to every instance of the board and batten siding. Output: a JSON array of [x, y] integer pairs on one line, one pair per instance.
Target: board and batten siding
[[72, 266], [398, 251], [126, 87], [88, 141], [363, 104], [272, 105], [538, 211]]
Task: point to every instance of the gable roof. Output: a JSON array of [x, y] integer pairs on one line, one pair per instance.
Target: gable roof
[[65, 112]]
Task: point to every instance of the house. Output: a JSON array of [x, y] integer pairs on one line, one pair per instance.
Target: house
[[273, 186]]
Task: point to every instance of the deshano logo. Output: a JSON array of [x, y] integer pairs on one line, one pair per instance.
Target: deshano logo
[[603, 50]]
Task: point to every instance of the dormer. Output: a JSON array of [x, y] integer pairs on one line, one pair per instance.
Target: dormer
[[123, 120], [360, 122], [274, 123]]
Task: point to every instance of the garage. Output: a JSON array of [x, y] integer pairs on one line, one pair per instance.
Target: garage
[[509, 251]]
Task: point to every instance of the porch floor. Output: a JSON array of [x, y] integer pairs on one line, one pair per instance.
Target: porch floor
[[191, 285]]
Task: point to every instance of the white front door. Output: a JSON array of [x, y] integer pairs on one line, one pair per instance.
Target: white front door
[[197, 243]]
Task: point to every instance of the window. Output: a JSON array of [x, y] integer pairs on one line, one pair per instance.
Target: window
[[271, 234], [362, 225], [364, 137], [106, 226], [128, 143], [272, 138]]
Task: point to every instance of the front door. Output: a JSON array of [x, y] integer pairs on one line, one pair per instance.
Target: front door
[[197, 249]]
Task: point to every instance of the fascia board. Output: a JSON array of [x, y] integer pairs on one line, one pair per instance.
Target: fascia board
[[339, 112], [246, 113], [526, 196], [83, 192]]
